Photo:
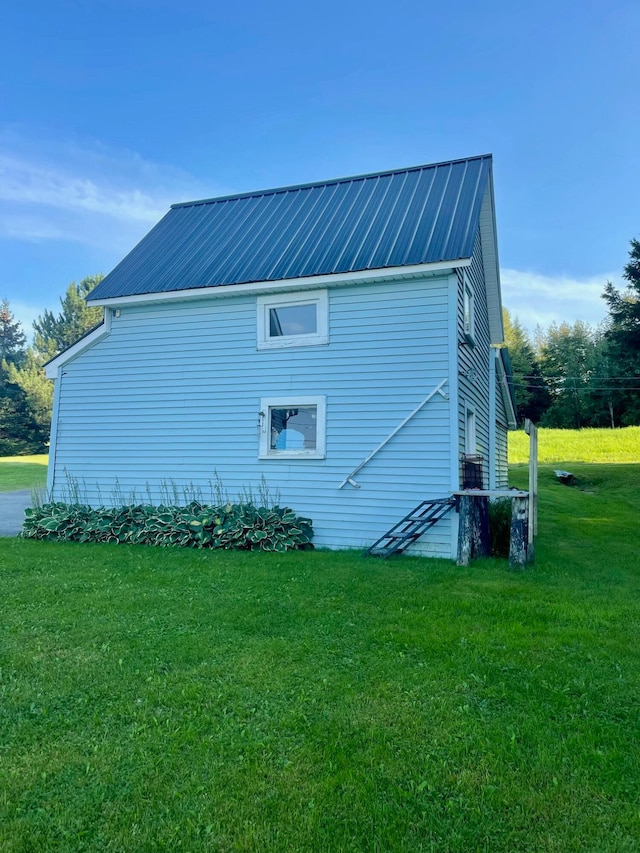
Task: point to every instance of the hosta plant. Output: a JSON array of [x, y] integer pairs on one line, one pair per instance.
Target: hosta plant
[[237, 527]]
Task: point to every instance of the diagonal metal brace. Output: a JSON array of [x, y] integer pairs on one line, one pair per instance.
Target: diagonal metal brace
[[437, 390]]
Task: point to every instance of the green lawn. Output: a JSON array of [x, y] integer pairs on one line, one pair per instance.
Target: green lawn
[[23, 472], [160, 700], [586, 445]]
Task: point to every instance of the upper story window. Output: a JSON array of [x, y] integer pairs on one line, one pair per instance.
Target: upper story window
[[468, 318], [295, 320]]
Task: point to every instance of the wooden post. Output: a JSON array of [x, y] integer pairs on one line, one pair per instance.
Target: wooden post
[[532, 431], [519, 541], [465, 537], [474, 538]]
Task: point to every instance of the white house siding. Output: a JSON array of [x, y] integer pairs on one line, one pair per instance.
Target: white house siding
[[173, 394], [473, 361]]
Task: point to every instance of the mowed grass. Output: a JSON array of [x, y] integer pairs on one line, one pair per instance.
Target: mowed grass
[[23, 472], [586, 445], [166, 699]]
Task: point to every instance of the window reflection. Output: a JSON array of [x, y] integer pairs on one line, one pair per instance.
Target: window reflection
[[293, 429], [293, 320]]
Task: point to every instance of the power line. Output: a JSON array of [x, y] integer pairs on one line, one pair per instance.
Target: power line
[[560, 376]]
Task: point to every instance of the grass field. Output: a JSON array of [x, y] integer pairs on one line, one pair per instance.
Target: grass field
[[587, 445], [162, 700], [23, 472], [555, 445]]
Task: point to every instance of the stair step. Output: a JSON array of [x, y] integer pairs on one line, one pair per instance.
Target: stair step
[[411, 527]]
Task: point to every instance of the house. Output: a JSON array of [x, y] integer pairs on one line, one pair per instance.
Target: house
[[290, 333]]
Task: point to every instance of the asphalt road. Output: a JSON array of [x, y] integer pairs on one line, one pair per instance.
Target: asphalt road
[[12, 507]]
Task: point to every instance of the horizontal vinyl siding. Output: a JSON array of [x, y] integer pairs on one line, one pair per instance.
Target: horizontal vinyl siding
[[474, 360], [502, 448], [173, 395]]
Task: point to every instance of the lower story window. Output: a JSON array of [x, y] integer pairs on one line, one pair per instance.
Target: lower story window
[[292, 427]]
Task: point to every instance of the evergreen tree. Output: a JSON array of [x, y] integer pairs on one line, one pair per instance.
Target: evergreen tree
[[31, 379], [532, 394], [573, 364], [20, 430], [623, 338], [55, 333], [12, 338]]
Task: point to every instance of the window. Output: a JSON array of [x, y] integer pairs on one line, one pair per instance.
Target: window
[[292, 428], [468, 312], [470, 432], [293, 321]]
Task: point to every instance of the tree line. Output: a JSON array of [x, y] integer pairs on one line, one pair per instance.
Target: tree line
[[574, 376], [26, 395], [567, 376]]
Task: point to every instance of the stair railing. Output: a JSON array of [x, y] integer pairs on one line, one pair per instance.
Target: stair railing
[[349, 478]]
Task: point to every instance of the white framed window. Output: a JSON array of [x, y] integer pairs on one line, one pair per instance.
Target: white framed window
[[468, 318], [293, 320], [292, 427], [470, 440]]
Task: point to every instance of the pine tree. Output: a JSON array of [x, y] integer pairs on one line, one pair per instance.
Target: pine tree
[[531, 392], [12, 338], [55, 333], [623, 337], [572, 362], [20, 430]]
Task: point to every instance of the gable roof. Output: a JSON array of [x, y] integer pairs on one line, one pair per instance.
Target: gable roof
[[402, 218]]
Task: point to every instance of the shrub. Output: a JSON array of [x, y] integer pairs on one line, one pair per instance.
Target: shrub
[[237, 527], [500, 526]]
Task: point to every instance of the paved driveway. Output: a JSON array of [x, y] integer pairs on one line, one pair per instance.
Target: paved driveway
[[12, 507]]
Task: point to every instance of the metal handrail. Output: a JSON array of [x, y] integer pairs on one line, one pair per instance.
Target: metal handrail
[[349, 478]]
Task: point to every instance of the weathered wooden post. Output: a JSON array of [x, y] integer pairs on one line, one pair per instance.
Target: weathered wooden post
[[532, 431], [519, 540], [474, 538], [465, 524]]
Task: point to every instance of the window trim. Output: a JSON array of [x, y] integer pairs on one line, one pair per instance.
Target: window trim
[[319, 298], [467, 298], [470, 431], [268, 403]]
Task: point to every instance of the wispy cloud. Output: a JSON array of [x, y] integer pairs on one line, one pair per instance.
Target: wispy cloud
[[84, 192], [544, 299], [29, 183]]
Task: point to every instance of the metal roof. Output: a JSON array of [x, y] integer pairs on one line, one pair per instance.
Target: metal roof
[[419, 215]]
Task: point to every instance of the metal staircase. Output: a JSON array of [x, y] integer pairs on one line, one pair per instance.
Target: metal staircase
[[411, 528]]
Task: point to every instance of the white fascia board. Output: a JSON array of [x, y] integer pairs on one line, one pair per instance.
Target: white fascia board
[[311, 282], [51, 369], [488, 237]]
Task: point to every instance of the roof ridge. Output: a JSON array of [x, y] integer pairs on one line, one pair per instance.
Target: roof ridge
[[330, 182]]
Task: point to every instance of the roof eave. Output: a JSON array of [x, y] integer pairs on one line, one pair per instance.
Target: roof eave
[[283, 285], [85, 342]]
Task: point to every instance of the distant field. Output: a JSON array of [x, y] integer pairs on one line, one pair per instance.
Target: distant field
[[23, 472], [585, 445]]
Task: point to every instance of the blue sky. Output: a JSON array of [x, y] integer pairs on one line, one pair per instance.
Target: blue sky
[[110, 111]]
